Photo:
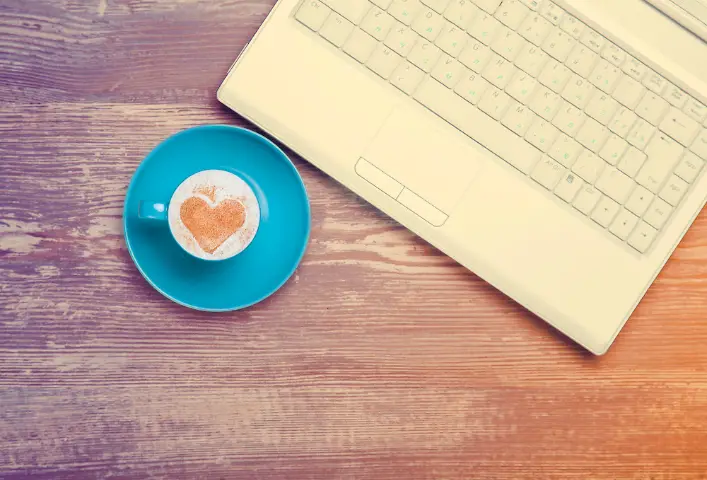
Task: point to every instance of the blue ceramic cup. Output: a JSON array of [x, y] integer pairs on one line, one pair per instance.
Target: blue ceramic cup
[[259, 270]]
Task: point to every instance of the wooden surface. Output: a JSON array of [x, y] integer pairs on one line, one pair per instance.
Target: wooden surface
[[381, 358]]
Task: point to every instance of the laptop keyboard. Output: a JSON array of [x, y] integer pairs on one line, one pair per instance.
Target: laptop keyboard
[[541, 90]]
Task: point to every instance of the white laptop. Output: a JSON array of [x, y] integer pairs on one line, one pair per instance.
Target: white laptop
[[556, 149]]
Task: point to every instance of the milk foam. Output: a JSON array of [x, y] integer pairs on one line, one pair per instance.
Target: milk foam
[[215, 186]]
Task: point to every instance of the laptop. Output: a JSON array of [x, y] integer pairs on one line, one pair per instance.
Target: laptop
[[555, 149]]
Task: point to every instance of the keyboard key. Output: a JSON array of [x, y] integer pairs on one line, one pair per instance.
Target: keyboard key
[[588, 166], [623, 224], [401, 39], [532, 60], [675, 96], [592, 39], [384, 4], [511, 13], [508, 44], [658, 213], [578, 91], [352, 10], [494, 103], [360, 45], [572, 26], [522, 87], [568, 186], [518, 119], [452, 40], [407, 77], [582, 60], [552, 12], [569, 119], [313, 14], [655, 83], [689, 167], [424, 55], [602, 108], [565, 150], [559, 44], [605, 76], [542, 135], [534, 5], [448, 71], [615, 184], [695, 110], [629, 92], [613, 149], [555, 76], [499, 71], [484, 28], [423, 208], [535, 29], [404, 10], [429, 24], [632, 161], [377, 177], [699, 146], [634, 68], [377, 23], [642, 237], [547, 172], [383, 61], [460, 12], [587, 199], [336, 29], [641, 134], [477, 125], [472, 87], [680, 127], [639, 200], [489, 6], [674, 190], [475, 55], [438, 6], [605, 211], [652, 108], [592, 135], [613, 54], [663, 154], [622, 122]]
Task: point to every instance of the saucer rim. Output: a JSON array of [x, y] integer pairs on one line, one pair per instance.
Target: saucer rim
[[260, 138]]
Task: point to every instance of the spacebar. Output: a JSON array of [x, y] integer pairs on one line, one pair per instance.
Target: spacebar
[[477, 125]]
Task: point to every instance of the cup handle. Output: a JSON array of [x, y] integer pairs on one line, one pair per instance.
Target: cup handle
[[147, 210]]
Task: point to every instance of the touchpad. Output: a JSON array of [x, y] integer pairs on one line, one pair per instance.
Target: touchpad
[[434, 164]]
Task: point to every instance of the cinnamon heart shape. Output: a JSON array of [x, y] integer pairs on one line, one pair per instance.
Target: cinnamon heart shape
[[211, 226]]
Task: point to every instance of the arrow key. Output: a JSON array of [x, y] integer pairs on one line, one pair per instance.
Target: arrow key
[[639, 200], [624, 224], [605, 212], [642, 237]]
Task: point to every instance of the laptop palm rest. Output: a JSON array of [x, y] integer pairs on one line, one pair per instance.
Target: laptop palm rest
[[431, 163]]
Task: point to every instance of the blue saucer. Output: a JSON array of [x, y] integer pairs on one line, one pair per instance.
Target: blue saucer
[[267, 263]]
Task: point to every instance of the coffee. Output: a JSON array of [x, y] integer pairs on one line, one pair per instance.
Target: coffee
[[214, 215]]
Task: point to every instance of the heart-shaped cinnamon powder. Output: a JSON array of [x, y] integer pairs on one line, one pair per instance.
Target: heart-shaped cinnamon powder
[[211, 226]]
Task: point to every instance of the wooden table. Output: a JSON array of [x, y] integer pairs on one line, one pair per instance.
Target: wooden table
[[381, 358]]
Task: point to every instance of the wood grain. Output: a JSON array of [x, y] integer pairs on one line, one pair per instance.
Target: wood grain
[[381, 358]]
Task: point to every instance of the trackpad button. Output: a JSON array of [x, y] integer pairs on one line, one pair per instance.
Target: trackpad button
[[433, 164]]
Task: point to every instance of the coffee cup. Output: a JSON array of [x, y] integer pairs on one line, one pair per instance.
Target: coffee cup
[[213, 215]]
